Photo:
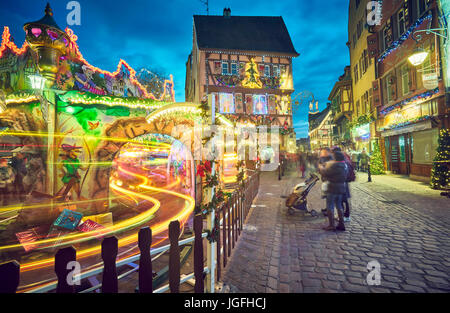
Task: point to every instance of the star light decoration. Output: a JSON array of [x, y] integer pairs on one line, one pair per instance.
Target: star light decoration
[[396, 44]]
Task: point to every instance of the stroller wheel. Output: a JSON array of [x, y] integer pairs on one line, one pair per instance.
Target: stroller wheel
[[291, 211], [313, 213]]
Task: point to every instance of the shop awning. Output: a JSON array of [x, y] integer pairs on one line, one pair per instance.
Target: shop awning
[[408, 129]]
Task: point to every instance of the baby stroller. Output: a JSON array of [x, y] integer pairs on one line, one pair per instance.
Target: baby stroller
[[297, 200]]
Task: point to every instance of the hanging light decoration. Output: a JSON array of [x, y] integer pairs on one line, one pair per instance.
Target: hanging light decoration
[[418, 57]]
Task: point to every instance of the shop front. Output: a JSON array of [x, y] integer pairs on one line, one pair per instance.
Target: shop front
[[410, 139], [361, 137]]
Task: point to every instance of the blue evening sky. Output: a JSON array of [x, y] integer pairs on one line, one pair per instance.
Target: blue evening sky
[[157, 34]]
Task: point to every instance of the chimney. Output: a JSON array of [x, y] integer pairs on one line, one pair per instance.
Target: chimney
[[227, 12]]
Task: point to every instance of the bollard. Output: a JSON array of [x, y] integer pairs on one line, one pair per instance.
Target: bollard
[[369, 176]]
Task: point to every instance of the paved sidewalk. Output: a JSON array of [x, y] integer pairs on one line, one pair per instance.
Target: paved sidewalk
[[281, 253]]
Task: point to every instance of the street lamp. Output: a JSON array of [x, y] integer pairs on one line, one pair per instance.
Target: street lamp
[[418, 57]]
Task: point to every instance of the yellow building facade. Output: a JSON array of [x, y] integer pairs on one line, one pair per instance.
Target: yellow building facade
[[363, 74]]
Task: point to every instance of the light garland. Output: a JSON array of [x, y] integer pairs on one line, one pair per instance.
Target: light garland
[[406, 123], [74, 45], [20, 98], [423, 97], [91, 99], [396, 44], [7, 43]]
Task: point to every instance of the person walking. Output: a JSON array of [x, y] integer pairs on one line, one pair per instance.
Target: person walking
[[335, 173], [358, 162], [6, 180], [302, 164], [18, 164], [364, 160], [351, 177], [324, 157]]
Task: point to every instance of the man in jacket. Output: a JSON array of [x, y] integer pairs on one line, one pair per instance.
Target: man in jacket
[[335, 173]]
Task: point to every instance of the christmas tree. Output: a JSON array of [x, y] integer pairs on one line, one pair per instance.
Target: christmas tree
[[440, 174], [252, 76], [376, 161]]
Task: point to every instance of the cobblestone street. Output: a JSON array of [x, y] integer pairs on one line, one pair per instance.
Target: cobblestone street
[[399, 223]]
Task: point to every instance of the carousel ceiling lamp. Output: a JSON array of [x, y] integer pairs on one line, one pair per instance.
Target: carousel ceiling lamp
[[37, 82]]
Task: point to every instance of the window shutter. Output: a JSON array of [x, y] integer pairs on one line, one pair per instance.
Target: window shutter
[[412, 79], [248, 104], [217, 67], [372, 45], [239, 104]]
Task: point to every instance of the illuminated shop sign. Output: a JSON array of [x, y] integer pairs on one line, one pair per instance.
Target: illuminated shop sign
[[362, 131]]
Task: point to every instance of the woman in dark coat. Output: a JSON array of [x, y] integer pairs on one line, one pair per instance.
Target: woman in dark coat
[[335, 173]]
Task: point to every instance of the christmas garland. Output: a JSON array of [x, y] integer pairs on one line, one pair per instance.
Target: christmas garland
[[423, 96], [406, 123], [396, 44]]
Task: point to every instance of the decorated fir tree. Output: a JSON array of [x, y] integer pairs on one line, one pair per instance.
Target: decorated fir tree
[[440, 173], [376, 161], [251, 76]]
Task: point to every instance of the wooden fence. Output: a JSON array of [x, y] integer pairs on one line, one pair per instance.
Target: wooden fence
[[232, 216], [232, 219]]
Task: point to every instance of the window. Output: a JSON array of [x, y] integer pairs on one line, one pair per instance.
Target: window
[[359, 28], [267, 70], [387, 35], [423, 6], [366, 60], [425, 146], [224, 68], [401, 22], [226, 103], [386, 90], [259, 104], [361, 66], [276, 71], [234, 69], [356, 73], [401, 144], [363, 105], [405, 79], [366, 102]]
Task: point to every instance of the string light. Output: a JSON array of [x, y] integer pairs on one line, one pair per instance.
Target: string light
[[396, 44], [133, 78], [419, 98], [91, 99], [7, 43]]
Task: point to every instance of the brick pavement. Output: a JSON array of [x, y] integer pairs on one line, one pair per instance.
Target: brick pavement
[[281, 253]]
